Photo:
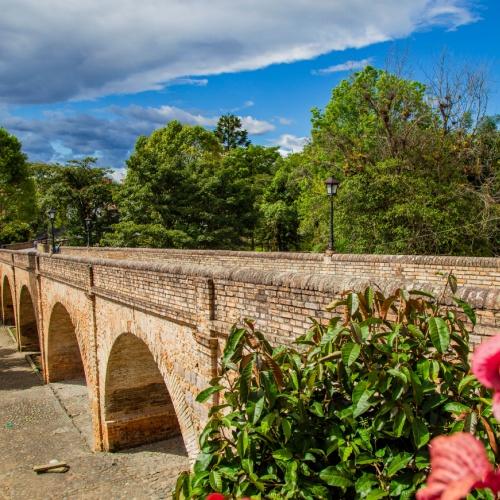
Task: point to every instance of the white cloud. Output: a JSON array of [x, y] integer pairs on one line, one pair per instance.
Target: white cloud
[[256, 127], [289, 144], [108, 133], [284, 121], [55, 50], [164, 114], [345, 66]]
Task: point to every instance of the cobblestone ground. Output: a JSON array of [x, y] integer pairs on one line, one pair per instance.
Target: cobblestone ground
[[35, 428]]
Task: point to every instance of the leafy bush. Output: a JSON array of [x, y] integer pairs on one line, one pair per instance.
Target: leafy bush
[[348, 412]]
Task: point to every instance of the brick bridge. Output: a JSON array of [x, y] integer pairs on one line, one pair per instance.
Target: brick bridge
[[146, 327]]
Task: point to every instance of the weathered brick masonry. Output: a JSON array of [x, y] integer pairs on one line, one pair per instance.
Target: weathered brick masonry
[[145, 326]]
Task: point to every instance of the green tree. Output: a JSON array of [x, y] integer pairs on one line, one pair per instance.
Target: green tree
[[413, 181], [279, 221], [177, 180], [230, 133], [256, 166], [78, 191], [17, 193]]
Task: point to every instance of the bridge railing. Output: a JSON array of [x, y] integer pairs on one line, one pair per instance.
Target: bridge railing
[[470, 271], [73, 272], [6, 256], [189, 289]]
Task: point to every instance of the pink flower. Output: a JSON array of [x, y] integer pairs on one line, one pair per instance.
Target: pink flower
[[458, 465], [215, 496], [486, 368]]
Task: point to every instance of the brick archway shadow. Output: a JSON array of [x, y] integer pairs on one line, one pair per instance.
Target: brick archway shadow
[[64, 359], [8, 315], [29, 339], [138, 406]]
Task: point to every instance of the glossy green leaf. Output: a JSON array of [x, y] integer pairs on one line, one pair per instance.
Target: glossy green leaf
[[455, 407], [333, 477], [233, 344], [206, 393], [467, 309], [215, 481], [420, 432], [282, 454], [398, 462], [350, 353], [439, 333]]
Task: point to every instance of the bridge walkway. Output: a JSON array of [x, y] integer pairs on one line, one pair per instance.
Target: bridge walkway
[[34, 429]]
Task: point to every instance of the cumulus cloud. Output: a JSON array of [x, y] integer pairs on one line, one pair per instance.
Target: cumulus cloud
[[109, 133], [256, 127], [345, 66], [52, 51], [289, 143]]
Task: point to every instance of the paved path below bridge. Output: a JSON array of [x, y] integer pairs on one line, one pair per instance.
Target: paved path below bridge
[[34, 429]]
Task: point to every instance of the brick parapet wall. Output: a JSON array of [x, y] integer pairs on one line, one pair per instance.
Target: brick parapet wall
[[77, 273], [470, 271], [281, 302], [19, 246], [6, 256], [215, 294]]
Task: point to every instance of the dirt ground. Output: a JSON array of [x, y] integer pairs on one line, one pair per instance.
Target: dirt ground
[[39, 423]]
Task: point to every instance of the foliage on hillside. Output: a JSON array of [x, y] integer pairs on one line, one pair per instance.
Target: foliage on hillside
[[17, 191], [77, 191], [419, 167], [349, 411], [179, 179], [413, 180]]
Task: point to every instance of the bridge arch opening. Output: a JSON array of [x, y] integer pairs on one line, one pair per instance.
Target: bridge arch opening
[[64, 360], [138, 408], [8, 316], [28, 329]]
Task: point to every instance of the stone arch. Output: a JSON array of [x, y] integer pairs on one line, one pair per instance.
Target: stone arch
[[29, 339], [138, 408], [8, 315], [63, 355]]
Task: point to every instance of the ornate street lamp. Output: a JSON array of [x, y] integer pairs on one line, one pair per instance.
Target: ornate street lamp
[[88, 221], [52, 215], [331, 189]]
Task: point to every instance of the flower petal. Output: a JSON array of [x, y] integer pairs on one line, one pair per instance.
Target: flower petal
[[486, 362], [215, 496], [496, 405], [458, 462]]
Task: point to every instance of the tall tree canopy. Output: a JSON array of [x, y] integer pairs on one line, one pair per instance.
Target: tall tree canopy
[[77, 191], [17, 192], [179, 192], [413, 181], [230, 132], [419, 167]]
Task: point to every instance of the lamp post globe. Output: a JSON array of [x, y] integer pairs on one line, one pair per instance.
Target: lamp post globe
[[332, 186]]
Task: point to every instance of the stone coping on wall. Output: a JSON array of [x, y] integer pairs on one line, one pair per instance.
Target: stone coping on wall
[[445, 260], [316, 257], [478, 297]]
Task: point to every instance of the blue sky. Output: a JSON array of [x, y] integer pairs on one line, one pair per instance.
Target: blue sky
[[86, 78]]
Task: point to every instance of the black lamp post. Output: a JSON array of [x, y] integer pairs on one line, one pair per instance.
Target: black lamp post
[[88, 221], [52, 216], [331, 189]]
